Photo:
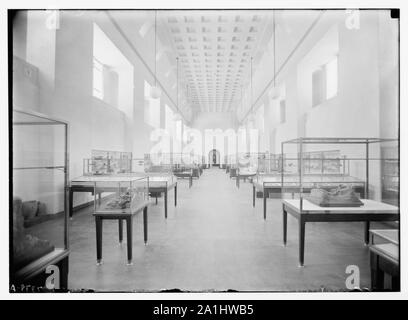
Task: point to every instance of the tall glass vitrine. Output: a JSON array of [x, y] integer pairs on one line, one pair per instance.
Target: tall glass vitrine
[[38, 209]]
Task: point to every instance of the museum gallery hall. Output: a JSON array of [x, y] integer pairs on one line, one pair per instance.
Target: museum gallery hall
[[205, 150]]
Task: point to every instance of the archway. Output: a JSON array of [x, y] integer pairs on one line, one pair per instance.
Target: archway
[[214, 158]]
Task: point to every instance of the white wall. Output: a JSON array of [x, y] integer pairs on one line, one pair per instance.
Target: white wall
[[367, 73], [64, 60], [65, 85], [220, 123], [366, 103], [388, 69]]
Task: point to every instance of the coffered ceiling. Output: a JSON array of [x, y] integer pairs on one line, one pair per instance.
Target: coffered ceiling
[[214, 49]]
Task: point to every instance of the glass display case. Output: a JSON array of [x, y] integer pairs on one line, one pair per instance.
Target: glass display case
[[317, 162], [358, 165], [390, 174], [181, 164], [120, 197], [162, 168], [39, 207], [161, 178], [120, 193], [232, 167], [336, 197], [160, 183], [324, 162], [155, 173], [263, 162], [268, 163], [107, 162], [158, 163], [231, 162], [138, 165], [247, 161]]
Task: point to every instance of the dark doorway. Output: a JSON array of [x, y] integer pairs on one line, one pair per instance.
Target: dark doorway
[[214, 158]]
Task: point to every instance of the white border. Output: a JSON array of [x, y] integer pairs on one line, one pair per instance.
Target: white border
[[209, 4]]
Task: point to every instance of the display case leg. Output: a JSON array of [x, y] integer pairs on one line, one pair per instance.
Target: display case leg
[[253, 196], [120, 223], [71, 202], [175, 195], [165, 204], [366, 232], [129, 234], [145, 224], [264, 204], [285, 225], [98, 223], [302, 226]]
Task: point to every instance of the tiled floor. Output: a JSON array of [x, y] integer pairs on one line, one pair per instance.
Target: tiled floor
[[216, 240]]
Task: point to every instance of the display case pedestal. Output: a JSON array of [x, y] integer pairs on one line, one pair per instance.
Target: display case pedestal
[[371, 211], [128, 217]]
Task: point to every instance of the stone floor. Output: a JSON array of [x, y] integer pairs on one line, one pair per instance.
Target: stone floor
[[216, 240]]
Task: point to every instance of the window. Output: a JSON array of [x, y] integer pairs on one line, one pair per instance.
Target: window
[[110, 86], [331, 78], [112, 73], [282, 108], [324, 82], [318, 87], [97, 79]]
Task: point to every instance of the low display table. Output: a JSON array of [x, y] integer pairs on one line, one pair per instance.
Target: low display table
[[158, 183], [120, 216], [244, 174], [370, 211], [185, 174], [272, 184], [163, 184]]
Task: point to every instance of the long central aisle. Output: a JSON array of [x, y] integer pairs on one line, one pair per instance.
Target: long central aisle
[[215, 240]]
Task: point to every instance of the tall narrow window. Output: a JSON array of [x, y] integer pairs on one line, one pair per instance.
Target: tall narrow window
[[331, 78], [112, 73], [325, 82], [318, 87]]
